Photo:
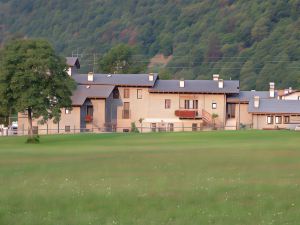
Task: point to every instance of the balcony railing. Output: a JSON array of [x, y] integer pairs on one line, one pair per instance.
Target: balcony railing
[[126, 114]]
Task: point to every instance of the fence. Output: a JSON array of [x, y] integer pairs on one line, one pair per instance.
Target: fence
[[73, 130]]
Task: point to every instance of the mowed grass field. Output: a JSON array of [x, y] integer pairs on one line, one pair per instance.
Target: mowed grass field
[[228, 178]]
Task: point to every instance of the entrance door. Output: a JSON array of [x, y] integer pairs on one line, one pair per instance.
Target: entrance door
[[231, 110]]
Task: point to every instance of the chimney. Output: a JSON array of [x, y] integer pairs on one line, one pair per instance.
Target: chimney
[[220, 83], [256, 101], [91, 76], [181, 83], [216, 77], [151, 76], [272, 89], [290, 89]]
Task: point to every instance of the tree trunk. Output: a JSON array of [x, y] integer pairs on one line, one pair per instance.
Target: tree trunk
[[30, 131]]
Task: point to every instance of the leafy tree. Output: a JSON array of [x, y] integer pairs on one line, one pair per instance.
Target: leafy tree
[[120, 59], [33, 79]]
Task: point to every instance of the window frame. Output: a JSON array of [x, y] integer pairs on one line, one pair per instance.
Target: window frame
[[214, 105], [279, 121], [271, 120], [68, 130], [67, 111], [167, 103], [139, 93], [126, 93], [286, 119]]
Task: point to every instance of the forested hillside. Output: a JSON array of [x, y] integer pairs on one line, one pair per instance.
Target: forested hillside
[[256, 41]]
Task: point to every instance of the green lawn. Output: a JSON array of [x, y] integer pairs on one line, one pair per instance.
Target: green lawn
[[226, 178]]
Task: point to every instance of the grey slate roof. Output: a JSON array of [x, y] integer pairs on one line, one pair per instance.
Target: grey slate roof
[[94, 91], [73, 61], [246, 96], [195, 86], [117, 79], [275, 106]]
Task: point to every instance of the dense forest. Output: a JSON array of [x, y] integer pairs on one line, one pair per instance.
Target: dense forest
[[254, 41]]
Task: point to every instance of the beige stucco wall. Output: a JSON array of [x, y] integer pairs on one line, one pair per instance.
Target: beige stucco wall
[[242, 115], [72, 120], [260, 122], [152, 106]]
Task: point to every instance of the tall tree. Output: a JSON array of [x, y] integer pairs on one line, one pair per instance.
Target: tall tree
[[120, 59], [33, 79]]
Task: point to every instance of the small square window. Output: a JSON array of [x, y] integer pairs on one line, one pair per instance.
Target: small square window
[[67, 111], [167, 103], [214, 105], [139, 94], [67, 129]]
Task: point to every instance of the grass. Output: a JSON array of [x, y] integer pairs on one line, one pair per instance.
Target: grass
[[228, 178]]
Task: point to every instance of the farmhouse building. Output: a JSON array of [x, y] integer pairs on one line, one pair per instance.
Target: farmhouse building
[[118, 102]]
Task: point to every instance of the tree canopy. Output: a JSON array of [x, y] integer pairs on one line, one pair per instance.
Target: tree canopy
[[255, 41], [33, 79], [120, 59]]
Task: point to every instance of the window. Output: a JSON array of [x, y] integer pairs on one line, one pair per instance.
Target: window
[[126, 93], [67, 128], [298, 97], [139, 94], [191, 104], [278, 119], [214, 105], [67, 111], [153, 127], [171, 127], [125, 130], [89, 110], [167, 103], [269, 119], [194, 127], [126, 111], [35, 130], [286, 119]]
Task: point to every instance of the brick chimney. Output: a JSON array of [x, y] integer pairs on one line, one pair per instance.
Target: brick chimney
[[90, 76], [272, 89], [256, 102]]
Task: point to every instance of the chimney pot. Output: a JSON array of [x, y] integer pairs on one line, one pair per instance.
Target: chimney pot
[[272, 89], [91, 76], [151, 76], [216, 77], [256, 101], [220, 83], [181, 83]]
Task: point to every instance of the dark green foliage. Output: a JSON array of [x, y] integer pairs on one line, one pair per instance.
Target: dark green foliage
[[134, 129], [256, 41], [33, 79], [120, 59], [33, 140]]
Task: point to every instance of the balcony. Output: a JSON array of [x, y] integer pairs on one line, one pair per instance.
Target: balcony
[[187, 113], [125, 114]]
